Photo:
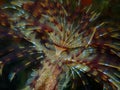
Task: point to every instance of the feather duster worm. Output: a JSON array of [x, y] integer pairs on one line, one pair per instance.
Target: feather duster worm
[[65, 41]]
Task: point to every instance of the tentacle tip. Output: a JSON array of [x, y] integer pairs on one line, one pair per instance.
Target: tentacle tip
[[1, 67], [11, 76], [27, 88]]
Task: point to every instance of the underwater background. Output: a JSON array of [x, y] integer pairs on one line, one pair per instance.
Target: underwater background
[[23, 60]]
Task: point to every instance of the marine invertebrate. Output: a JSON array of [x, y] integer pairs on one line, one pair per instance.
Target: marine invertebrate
[[69, 38]]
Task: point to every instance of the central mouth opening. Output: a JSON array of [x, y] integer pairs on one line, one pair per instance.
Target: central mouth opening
[[59, 50]]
